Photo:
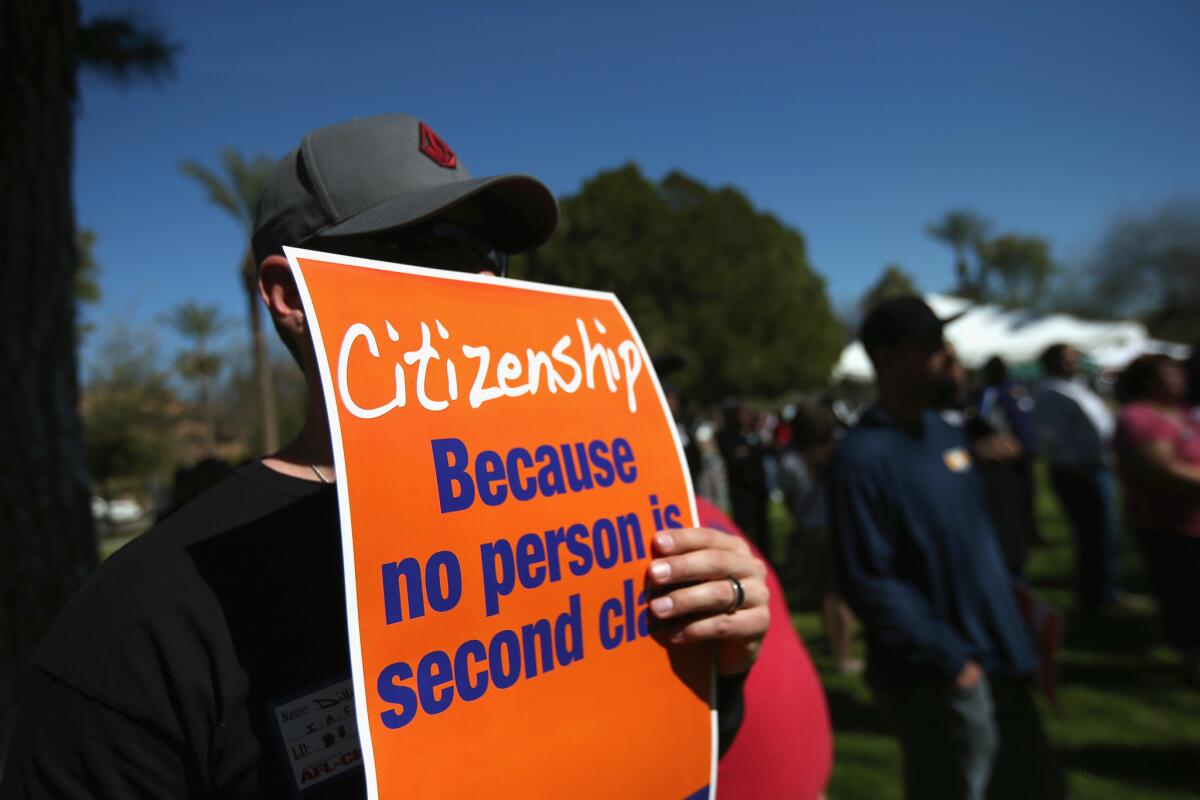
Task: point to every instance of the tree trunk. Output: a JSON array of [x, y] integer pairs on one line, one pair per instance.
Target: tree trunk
[[48, 541], [268, 415], [963, 274]]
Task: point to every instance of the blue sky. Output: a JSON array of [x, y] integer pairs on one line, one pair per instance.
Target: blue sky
[[857, 123]]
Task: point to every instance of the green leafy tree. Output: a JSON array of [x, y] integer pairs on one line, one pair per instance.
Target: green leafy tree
[[128, 410], [49, 542], [235, 191], [1023, 266], [963, 231], [1147, 266], [704, 275], [199, 365], [236, 396], [894, 281]]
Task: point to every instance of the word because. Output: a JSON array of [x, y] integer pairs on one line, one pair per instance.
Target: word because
[[566, 468]]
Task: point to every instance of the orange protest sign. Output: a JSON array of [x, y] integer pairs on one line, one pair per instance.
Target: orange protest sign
[[504, 455]]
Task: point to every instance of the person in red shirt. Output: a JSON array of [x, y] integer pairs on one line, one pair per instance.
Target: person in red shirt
[[785, 745], [1158, 447]]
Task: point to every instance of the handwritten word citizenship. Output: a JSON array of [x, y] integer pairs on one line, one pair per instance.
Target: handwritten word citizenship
[[569, 365]]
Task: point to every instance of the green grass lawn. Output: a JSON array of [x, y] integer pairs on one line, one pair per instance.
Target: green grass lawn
[[1128, 726]]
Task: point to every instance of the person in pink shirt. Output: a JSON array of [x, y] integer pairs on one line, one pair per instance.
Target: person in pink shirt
[[1158, 448]]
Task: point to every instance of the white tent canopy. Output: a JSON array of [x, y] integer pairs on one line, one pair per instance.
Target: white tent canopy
[[982, 331]]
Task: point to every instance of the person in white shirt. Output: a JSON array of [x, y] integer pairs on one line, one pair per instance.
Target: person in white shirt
[[1074, 432]]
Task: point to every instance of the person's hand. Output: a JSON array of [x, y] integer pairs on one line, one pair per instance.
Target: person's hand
[[998, 447], [970, 675], [696, 600]]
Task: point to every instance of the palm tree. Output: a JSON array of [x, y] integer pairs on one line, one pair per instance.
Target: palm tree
[[199, 365], [236, 192], [963, 230], [49, 541]]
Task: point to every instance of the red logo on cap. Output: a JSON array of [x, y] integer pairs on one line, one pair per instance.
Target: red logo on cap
[[433, 146]]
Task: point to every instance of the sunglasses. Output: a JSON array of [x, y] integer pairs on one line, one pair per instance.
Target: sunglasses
[[437, 245]]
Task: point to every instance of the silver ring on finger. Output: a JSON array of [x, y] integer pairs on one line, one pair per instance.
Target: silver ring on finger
[[739, 596]]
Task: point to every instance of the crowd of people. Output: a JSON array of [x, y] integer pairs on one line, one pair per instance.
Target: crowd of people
[[912, 519], [919, 512]]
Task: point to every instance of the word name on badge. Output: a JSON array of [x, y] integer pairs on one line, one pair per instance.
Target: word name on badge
[[319, 734], [957, 459]]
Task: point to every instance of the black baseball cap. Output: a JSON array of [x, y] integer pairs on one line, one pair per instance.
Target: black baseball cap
[[898, 321], [372, 175]]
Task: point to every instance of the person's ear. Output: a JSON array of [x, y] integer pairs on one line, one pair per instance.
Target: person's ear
[[277, 288]]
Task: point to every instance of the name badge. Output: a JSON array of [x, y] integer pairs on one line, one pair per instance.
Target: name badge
[[957, 459], [319, 734]]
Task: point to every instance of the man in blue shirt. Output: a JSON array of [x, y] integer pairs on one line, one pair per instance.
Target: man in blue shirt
[[949, 656]]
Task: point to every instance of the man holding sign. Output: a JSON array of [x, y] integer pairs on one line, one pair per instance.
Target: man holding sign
[[505, 580]]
